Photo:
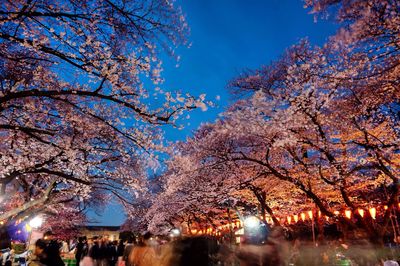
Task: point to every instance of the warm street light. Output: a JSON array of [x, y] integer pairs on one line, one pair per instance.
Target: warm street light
[[251, 222], [175, 232], [36, 222]]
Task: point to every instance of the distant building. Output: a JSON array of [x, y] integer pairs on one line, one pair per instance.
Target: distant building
[[112, 232]]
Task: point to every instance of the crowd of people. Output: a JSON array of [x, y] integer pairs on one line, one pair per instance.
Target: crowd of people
[[147, 250]]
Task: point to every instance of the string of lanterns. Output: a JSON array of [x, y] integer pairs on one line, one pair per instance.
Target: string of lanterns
[[238, 224], [347, 213]]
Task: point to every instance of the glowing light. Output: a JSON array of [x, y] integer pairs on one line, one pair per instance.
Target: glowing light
[[28, 227], [319, 214], [289, 219], [310, 214], [193, 231], [303, 216], [336, 212], [326, 218], [175, 232], [251, 222], [36, 222], [347, 213], [372, 211], [385, 207], [296, 218], [361, 212]]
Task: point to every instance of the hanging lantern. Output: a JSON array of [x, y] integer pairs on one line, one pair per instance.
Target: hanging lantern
[[296, 218], [326, 218], [347, 213], [303, 216], [336, 213], [289, 219], [361, 212], [385, 207], [319, 214], [193, 231], [310, 214], [372, 212]]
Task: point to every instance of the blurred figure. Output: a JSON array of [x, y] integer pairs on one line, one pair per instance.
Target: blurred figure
[[390, 263], [193, 251], [5, 255], [94, 251], [120, 248], [143, 254], [64, 247], [52, 252], [39, 254], [127, 251], [103, 257], [81, 249], [112, 253], [274, 252], [86, 261]]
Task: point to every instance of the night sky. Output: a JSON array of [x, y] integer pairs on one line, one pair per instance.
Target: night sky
[[228, 36]]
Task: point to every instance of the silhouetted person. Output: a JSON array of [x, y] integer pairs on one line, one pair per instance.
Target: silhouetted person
[[39, 254], [120, 248], [94, 251], [53, 254], [197, 251], [80, 249], [127, 251], [144, 254]]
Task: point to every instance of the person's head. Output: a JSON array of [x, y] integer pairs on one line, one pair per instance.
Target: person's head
[[147, 236], [48, 235], [40, 247], [130, 240]]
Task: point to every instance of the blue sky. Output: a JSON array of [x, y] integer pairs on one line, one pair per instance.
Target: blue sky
[[227, 37]]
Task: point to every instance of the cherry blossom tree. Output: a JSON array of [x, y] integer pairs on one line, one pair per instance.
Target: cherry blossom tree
[[80, 106], [321, 120]]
